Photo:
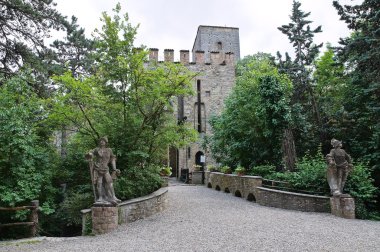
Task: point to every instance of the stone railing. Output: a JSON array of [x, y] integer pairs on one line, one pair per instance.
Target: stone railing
[[292, 201], [250, 188], [240, 186], [132, 210]]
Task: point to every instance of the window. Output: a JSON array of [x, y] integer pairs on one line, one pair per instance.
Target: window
[[219, 46]]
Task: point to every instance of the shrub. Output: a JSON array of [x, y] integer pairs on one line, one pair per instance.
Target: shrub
[[212, 168], [310, 175], [226, 170], [240, 170], [137, 181], [262, 170], [166, 171], [360, 185]]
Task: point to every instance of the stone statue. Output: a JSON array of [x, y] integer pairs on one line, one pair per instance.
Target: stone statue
[[99, 158], [339, 165]]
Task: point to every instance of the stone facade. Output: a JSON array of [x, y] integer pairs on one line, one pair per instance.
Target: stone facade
[[214, 54], [217, 39]]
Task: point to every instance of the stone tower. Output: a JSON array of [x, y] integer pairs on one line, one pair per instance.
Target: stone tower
[[217, 39], [214, 54]]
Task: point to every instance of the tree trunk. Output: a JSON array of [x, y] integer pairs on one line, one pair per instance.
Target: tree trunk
[[289, 150]]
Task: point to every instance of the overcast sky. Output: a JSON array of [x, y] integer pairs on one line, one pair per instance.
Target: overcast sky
[[172, 24]]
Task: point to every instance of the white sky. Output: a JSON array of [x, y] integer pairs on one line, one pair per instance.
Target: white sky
[[172, 24]]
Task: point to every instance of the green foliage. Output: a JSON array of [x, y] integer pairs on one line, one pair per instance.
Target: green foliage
[[250, 129], [360, 52], [140, 96], [24, 25], [226, 169], [69, 209], [360, 186], [166, 171], [26, 160], [73, 53], [240, 170], [305, 107], [262, 170], [310, 175], [138, 181], [213, 168]]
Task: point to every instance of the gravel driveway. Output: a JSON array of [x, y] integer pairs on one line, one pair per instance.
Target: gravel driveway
[[202, 219]]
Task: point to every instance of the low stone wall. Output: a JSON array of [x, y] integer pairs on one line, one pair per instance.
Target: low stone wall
[[250, 188], [292, 201], [133, 209], [240, 186]]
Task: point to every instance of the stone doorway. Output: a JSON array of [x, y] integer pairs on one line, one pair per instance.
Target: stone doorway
[[173, 161]]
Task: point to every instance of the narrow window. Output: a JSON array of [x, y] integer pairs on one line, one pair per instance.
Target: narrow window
[[219, 46]]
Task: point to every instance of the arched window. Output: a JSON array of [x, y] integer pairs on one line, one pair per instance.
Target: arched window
[[219, 46]]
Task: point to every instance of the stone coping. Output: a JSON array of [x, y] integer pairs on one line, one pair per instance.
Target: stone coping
[[155, 194], [293, 193], [235, 175], [130, 210]]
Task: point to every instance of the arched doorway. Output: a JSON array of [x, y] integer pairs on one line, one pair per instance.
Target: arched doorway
[[200, 160]]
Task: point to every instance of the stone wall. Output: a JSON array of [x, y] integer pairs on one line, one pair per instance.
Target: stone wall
[[216, 83], [104, 219], [250, 188], [143, 207], [240, 186], [134, 209], [292, 201], [216, 38]]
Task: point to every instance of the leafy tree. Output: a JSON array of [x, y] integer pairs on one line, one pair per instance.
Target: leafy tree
[[26, 160], [361, 52], [249, 132], [23, 27], [330, 89]]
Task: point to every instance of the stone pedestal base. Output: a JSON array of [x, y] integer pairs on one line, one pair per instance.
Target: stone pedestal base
[[196, 178], [104, 219], [343, 206]]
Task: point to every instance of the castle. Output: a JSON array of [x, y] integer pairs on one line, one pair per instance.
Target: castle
[[214, 54]]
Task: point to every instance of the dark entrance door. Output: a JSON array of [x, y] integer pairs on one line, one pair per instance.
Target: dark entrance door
[[173, 161], [198, 156]]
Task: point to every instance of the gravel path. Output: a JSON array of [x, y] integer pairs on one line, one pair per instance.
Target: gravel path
[[202, 219]]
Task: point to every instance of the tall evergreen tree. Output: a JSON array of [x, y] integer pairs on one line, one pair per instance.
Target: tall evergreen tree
[[73, 53], [23, 27], [299, 70], [361, 51]]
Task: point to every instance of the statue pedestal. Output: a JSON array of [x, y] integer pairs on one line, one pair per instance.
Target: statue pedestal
[[343, 206], [104, 219]]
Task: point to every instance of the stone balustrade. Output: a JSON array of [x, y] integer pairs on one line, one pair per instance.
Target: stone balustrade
[[250, 188], [240, 186]]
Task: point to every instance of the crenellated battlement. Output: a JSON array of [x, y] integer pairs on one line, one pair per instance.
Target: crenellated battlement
[[214, 58]]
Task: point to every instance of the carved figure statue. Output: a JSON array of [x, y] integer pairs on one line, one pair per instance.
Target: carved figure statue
[[339, 165], [99, 158]]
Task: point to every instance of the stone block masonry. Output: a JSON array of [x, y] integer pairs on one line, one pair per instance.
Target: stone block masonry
[[104, 219], [343, 206]]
